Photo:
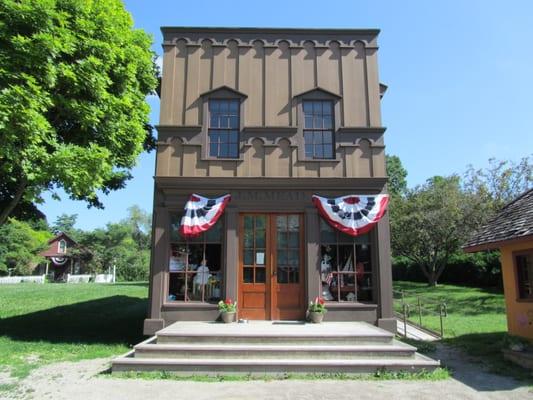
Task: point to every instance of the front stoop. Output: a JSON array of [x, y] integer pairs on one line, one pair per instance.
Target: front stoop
[[266, 347]]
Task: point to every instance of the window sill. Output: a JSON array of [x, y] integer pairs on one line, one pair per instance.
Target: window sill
[[192, 305], [222, 159], [321, 160], [347, 305]]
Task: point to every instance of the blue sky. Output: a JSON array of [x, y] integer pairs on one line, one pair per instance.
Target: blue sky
[[459, 75]]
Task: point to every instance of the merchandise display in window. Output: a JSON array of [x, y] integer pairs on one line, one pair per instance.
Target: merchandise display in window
[[195, 266], [346, 266]]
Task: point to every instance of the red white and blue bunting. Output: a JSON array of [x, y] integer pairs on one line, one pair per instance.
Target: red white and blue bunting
[[201, 214], [353, 214]]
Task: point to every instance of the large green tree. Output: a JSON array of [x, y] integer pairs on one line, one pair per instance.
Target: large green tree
[[124, 244], [74, 76], [19, 247], [432, 221], [397, 174]]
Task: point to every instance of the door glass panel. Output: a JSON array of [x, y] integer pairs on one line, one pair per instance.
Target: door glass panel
[[260, 222], [260, 275], [260, 236], [254, 256], [248, 257], [248, 239], [282, 274], [293, 239], [288, 248], [294, 275], [293, 257], [294, 223], [248, 222], [282, 240], [248, 275]]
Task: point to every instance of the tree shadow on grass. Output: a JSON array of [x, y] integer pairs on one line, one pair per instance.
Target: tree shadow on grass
[[477, 361], [109, 320]]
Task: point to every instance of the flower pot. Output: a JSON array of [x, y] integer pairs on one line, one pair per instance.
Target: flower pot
[[316, 317], [228, 317]]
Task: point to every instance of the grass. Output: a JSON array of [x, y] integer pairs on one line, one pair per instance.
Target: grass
[[476, 321], [41, 324], [436, 375], [469, 309]]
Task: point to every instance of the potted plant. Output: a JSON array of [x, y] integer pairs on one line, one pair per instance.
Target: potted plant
[[227, 309], [316, 310]]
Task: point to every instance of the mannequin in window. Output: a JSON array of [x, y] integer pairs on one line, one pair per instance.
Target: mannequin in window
[[202, 276], [326, 275]]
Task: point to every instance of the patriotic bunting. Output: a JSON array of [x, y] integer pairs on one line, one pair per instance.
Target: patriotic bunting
[[352, 214], [201, 214]]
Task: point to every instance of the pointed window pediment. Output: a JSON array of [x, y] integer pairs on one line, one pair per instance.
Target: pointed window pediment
[[224, 92], [319, 93]]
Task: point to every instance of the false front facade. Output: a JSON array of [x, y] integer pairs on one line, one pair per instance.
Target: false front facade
[[270, 117]]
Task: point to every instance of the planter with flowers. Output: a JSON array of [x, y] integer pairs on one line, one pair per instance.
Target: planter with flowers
[[316, 310], [228, 310]]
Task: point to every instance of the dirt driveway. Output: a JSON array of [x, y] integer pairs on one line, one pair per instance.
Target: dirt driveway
[[82, 380]]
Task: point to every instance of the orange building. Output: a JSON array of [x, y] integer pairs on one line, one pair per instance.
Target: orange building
[[511, 231]]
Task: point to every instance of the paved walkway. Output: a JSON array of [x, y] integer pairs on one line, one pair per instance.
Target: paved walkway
[[83, 380]]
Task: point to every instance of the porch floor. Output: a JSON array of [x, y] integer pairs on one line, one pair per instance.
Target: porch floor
[[273, 329]]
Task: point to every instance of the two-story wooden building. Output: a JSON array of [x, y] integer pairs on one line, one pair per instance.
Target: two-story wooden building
[[272, 117]]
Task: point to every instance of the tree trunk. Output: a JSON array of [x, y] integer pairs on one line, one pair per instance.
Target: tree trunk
[[6, 212]]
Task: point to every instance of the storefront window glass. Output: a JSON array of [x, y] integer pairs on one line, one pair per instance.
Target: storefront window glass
[[195, 267], [346, 266]]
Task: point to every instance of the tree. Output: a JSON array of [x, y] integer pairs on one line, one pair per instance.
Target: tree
[[500, 182], [432, 221], [74, 75], [125, 244], [19, 247], [65, 223], [397, 175]]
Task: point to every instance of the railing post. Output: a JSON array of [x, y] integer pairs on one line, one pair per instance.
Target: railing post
[[441, 312], [405, 320], [419, 311]]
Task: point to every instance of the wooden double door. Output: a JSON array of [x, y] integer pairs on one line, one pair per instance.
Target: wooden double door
[[271, 267]]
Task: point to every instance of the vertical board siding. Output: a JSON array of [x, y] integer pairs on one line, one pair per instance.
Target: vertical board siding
[[270, 76], [328, 68], [374, 105], [180, 71], [277, 90], [192, 100], [167, 85]]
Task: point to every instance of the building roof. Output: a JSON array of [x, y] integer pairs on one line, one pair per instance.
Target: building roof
[[514, 222], [212, 29]]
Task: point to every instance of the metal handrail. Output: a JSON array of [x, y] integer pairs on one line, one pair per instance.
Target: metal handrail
[[442, 311]]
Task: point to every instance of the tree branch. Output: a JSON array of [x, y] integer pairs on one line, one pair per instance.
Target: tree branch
[[6, 212]]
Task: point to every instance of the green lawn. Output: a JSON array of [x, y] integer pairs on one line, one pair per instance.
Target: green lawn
[[470, 310], [57, 322], [476, 320]]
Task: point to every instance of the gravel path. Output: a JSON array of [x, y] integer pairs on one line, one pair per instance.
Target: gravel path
[[81, 380]]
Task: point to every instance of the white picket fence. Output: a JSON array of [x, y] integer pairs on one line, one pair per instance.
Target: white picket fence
[[71, 278], [98, 278], [22, 279]]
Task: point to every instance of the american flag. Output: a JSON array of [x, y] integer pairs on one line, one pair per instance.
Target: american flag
[[329, 278]]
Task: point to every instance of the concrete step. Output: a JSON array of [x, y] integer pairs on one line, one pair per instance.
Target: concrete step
[[237, 350], [333, 333], [187, 366], [332, 339]]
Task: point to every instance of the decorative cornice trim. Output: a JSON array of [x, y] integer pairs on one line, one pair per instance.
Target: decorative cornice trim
[[267, 183]]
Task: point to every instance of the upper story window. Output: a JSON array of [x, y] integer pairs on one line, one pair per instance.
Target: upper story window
[[318, 128], [224, 128], [62, 246], [524, 272]]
